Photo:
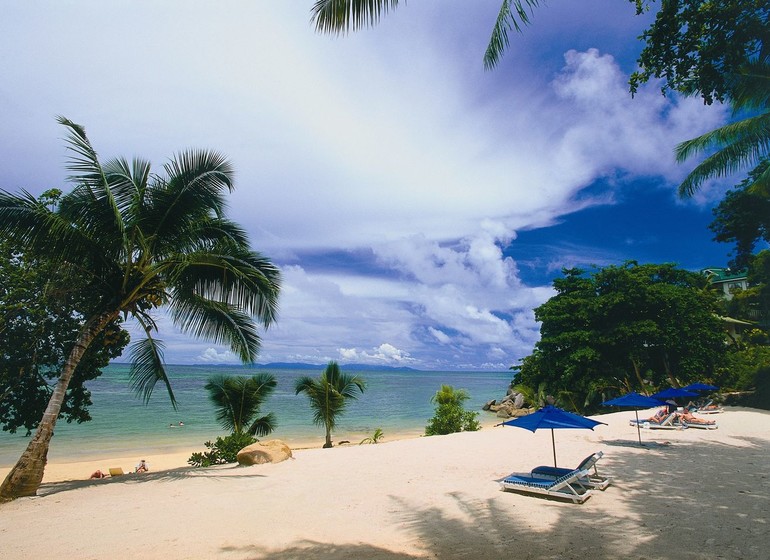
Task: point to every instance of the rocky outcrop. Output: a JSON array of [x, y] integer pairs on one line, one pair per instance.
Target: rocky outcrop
[[272, 451], [510, 406]]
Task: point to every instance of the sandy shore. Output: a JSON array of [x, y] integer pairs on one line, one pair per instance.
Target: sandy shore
[[687, 494]]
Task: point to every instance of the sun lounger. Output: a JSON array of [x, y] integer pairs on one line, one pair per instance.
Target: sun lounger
[[593, 480], [666, 424], [116, 471], [567, 487], [700, 426]]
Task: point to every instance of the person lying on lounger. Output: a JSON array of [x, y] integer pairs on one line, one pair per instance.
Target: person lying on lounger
[[689, 418], [659, 416]]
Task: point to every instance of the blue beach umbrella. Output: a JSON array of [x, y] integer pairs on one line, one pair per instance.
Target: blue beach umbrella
[[635, 401], [700, 387], [552, 418]]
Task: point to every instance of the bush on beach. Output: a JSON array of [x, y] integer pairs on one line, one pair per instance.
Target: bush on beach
[[223, 450], [451, 416]]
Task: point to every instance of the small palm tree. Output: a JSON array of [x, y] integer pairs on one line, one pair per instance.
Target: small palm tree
[[137, 241], [341, 16], [376, 437], [329, 395], [238, 401]]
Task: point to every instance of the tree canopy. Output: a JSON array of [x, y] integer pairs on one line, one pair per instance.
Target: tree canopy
[[697, 46], [41, 312], [137, 241], [743, 218], [622, 328], [238, 401]]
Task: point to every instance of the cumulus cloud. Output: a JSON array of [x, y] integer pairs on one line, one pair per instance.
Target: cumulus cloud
[[391, 142], [214, 356]]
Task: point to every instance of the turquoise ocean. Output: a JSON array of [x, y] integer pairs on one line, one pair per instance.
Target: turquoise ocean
[[396, 401]]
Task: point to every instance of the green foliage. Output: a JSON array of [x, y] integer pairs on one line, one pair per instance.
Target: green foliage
[[741, 367], [223, 450], [450, 415], [238, 401], [41, 312], [135, 241], [743, 217], [696, 46], [329, 395], [376, 437], [633, 327], [753, 303]]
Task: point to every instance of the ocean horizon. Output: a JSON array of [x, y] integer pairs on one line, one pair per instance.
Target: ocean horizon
[[396, 400]]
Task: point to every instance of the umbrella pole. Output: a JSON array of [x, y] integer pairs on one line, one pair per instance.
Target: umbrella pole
[[638, 431], [553, 442]]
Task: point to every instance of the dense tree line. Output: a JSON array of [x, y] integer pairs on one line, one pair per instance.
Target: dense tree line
[[622, 328]]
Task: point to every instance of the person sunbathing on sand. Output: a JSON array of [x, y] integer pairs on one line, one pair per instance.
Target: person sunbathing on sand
[[98, 474], [142, 467]]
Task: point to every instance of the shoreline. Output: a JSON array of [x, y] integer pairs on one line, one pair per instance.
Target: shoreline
[[166, 458]]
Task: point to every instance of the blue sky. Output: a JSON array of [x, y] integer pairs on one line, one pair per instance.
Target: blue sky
[[419, 207]]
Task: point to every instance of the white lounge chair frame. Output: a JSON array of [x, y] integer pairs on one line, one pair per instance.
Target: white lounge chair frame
[[593, 480], [666, 424], [567, 487]]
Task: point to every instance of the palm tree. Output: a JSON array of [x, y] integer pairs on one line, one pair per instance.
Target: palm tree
[[239, 399], [341, 16], [739, 144], [139, 241], [329, 395]]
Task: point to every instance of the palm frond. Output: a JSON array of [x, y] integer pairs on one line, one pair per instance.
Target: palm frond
[[221, 396], [263, 426], [34, 227], [243, 279], [512, 14], [751, 87], [745, 143], [341, 16], [147, 368], [89, 174], [216, 321]]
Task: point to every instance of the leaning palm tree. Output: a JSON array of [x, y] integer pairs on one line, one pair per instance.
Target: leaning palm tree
[[140, 241], [739, 144], [328, 395], [238, 401], [341, 16]]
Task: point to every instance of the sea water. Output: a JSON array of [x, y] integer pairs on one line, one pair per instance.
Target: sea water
[[395, 401]]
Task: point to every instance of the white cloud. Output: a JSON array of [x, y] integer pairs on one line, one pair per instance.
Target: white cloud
[[392, 141], [213, 356]]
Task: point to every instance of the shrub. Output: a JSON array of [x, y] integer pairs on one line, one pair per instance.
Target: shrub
[[223, 450], [451, 416]]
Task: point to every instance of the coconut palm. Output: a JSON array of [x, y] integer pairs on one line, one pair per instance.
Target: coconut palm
[[341, 16], [238, 401], [329, 395], [739, 144], [140, 241]]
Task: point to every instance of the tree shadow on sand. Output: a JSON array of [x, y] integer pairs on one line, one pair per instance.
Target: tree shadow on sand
[[171, 475], [676, 503]]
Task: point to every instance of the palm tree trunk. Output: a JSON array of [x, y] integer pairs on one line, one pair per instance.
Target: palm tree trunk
[[328, 437], [27, 474]]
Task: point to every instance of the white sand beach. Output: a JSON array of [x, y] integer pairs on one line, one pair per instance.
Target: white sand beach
[[689, 494]]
